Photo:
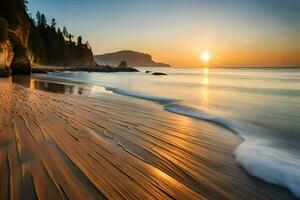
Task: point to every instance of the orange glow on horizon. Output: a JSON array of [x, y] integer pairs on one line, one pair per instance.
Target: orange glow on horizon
[[219, 52]]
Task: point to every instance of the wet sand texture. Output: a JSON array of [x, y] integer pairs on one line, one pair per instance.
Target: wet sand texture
[[56, 146]]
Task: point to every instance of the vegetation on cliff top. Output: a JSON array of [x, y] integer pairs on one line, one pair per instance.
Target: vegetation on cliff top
[[45, 43], [51, 46]]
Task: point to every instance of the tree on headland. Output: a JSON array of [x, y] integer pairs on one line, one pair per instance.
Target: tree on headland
[[52, 46], [65, 31], [53, 23], [87, 45], [67, 34], [70, 36], [38, 18], [43, 21], [24, 4], [79, 40]]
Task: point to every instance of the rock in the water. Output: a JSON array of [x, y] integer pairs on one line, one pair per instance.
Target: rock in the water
[[123, 64], [127, 69], [159, 74], [147, 72]]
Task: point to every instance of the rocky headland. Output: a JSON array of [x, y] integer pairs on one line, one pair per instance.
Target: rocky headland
[[26, 41], [133, 58]]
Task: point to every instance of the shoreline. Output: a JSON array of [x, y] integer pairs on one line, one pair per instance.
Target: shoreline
[[255, 164], [129, 135], [95, 68]]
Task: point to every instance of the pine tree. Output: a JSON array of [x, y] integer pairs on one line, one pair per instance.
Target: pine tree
[[51, 46], [38, 18], [53, 23], [43, 21], [79, 41]]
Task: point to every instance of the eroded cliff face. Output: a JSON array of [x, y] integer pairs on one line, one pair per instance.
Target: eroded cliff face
[[21, 63], [23, 43], [14, 53], [6, 58]]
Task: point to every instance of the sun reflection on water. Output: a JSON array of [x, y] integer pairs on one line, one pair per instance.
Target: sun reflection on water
[[205, 82]]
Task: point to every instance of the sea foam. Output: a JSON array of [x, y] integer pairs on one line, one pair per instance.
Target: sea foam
[[256, 155]]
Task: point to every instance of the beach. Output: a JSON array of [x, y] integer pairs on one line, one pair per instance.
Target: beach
[[149, 100], [70, 142]]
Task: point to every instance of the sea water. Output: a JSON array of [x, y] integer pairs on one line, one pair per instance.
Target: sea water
[[260, 105]]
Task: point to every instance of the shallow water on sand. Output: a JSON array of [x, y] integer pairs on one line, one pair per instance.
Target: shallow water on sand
[[108, 146], [260, 105]]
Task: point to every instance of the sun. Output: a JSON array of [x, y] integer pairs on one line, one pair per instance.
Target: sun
[[205, 57]]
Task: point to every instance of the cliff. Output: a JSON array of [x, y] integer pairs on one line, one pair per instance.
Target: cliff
[[25, 41], [14, 32], [6, 57], [134, 59]]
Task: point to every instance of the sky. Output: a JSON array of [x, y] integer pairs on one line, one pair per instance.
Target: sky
[[177, 32]]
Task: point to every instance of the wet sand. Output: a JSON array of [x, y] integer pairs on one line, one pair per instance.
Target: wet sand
[[77, 144]]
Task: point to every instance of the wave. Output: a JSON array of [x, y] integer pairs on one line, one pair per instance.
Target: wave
[[140, 95], [256, 155]]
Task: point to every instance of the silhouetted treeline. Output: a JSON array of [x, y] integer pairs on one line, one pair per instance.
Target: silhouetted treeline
[[52, 46]]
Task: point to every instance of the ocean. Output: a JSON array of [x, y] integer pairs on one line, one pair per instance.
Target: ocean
[[259, 105]]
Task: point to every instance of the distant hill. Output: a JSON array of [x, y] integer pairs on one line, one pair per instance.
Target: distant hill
[[133, 58]]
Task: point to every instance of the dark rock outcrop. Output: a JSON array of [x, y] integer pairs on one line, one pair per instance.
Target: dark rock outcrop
[[123, 64], [127, 69], [134, 59], [21, 64], [159, 74], [5, 71]]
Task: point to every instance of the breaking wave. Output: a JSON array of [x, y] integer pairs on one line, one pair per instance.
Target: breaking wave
[[256, 155]]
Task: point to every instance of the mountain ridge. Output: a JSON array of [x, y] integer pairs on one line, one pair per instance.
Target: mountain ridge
[[133, 58]]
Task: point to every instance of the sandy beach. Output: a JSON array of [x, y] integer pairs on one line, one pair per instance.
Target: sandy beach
[[67, 146]]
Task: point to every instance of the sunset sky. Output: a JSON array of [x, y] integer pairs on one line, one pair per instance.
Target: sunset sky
[[237, 33]]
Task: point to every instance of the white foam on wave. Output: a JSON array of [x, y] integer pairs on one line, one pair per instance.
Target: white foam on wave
[[256, 155], [270, 164]]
